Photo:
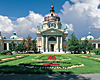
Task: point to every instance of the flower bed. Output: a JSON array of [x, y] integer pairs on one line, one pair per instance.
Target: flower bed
[[51, 64], [50, 57], [46, 66], [90, 57], [12, 58]]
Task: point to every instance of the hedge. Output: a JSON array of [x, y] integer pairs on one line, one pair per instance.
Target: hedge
[[6, 51]]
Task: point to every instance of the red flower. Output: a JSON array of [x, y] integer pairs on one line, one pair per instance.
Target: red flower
[[54, 57], [50, 57], [64, 46]]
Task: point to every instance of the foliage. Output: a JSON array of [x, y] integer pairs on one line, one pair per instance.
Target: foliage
[[12, 46], [25, 45], [20, 46], [96, 51], [5, 52], [34, 45], [77, 46], [86, 46], [73, 43], [30, 44]]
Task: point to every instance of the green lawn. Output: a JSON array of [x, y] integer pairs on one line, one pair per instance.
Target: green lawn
[[90, 65], [58, 57], [3, 56]]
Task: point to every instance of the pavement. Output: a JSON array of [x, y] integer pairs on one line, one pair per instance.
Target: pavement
[[49, 77]]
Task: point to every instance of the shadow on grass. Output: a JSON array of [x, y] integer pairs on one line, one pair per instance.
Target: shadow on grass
[[23, 70], [23, 73]]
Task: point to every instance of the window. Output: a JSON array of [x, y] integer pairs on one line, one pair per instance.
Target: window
[[51, 24], [39, 39], [51, 14], [52, 39], [54, 25]]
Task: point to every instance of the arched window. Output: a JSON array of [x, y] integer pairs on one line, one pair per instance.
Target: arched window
[[52, 39], [49, 25], [54, 25]]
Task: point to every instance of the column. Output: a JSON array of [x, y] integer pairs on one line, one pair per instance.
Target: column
[[46, 43], [57, 44], [61, 44], [42, 43], [7, 46], [96, 45]]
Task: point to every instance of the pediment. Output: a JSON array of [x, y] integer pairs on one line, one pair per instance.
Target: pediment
[[51, 31]]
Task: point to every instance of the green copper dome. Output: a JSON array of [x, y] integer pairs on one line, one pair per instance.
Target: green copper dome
[[89, 36], [13, 36]]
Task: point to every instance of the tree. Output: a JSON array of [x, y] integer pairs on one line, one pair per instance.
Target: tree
[[34, 44], [12, 46], [78, 46], [30, 44], [86, 46], [73, 43], [89, 47]]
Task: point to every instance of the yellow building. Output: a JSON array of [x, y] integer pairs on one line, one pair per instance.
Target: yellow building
[[51, 37]]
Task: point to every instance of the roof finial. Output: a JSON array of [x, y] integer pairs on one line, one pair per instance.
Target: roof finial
[[52, 7], [52, 2]]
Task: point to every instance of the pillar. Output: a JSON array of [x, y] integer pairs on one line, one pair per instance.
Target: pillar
[[42, 43], [57, 44], [46, 43], [96, 45], [7, 46], [61, 44]]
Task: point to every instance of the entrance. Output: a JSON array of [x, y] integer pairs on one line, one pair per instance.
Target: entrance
[[52, 47]]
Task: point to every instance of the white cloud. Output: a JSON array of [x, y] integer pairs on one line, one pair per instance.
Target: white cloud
[[78, 17], [27, 25], [5, 24], [82, 14], [24, 25], [69, 26]]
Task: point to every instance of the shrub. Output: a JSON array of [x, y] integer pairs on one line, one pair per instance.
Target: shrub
[[5, 52], [96, 51]]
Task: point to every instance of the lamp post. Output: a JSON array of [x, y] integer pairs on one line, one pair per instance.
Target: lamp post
[[65, 48], [39, 48]]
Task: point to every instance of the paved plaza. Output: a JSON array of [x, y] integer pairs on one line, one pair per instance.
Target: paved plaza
[[49, 77]]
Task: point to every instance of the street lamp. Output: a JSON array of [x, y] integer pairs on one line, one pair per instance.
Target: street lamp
[[39, 48], [65, 48]]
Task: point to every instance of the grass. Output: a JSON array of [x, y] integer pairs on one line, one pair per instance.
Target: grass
[[5, 56], [90, 65], [58, 57]]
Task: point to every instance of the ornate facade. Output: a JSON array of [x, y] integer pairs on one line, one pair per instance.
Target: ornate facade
[[51, 37]]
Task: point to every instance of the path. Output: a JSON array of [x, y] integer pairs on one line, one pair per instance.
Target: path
[[49, 77]]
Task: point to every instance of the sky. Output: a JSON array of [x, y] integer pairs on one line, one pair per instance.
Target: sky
[[23, 16]]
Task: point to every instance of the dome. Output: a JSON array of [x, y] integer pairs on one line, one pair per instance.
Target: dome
[[13, 36], [52, 15], [89, 36]]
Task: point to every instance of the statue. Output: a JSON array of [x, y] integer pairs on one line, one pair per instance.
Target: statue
[[65, 28], [42, 26], [38, 27]]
